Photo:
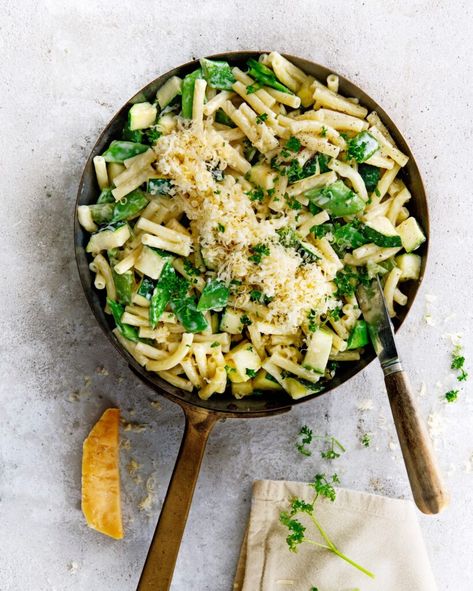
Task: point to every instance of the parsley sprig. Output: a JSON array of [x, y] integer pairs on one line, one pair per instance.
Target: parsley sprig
[[332, 448], [323, 488], [458, 362]]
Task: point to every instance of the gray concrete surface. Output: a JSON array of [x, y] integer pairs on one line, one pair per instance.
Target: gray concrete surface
[[66, 67]]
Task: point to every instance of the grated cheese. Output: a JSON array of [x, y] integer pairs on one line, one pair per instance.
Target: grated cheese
[[227, 225]]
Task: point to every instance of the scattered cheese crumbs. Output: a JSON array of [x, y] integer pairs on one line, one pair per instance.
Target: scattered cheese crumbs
[[147, 502], [101, 370], [73, 567], [430, 298], [429, 319], [436, 426], [454, 337], [136, 427], [155, 404], [392, 445], [365, 404], [101, 478], [468, 465], [382, 422], [125, 444], [423, 390], [132, 468]]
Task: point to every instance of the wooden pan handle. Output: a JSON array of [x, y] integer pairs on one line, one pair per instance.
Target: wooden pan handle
[[424, 475], [159, 566]]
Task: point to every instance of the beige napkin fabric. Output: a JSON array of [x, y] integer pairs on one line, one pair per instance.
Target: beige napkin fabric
[[379, 533]]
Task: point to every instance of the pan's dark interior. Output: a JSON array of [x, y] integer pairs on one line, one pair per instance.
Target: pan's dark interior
[[88, 193]]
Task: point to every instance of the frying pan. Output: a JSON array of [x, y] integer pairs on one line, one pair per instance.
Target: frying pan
[[201, 415]]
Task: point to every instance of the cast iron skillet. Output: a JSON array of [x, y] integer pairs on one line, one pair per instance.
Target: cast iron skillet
[[201, 415]]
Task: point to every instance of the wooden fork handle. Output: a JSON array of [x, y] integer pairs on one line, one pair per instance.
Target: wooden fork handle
[[426, 482]]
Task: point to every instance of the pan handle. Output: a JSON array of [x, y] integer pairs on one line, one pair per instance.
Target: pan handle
[[159, 566]]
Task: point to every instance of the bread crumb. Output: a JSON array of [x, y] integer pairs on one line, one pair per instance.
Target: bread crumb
[[136, 427], [147, 502], [133, 468], [125, 443], [155, 404]]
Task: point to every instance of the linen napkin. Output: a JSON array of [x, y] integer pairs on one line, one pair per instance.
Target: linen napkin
[[379, 533]]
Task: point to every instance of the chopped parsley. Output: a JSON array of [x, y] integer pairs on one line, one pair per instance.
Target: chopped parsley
[[366, 440], [292, 202], [347, 280], [293, 144], [245, 320], [335, 314], [250, 372], [214, 344], [220, 227], [259, 296], [259, 251], [190, 269], [451, 395], [458, 362], [261, 118], [312, 318], [321, 230], [323, 131], [256, 194], [252, 88]]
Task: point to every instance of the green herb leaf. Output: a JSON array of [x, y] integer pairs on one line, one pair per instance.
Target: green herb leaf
[[370, 175], [362, 147], [265, 76], [256, 194], [245, 320], [214, 296], [306, 436], [128, 331], [337, 199], [458, 362], [218, 74], [366, 439], [259, 251], [451, 395], [293, 144], [261, 118], [119, 151]]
